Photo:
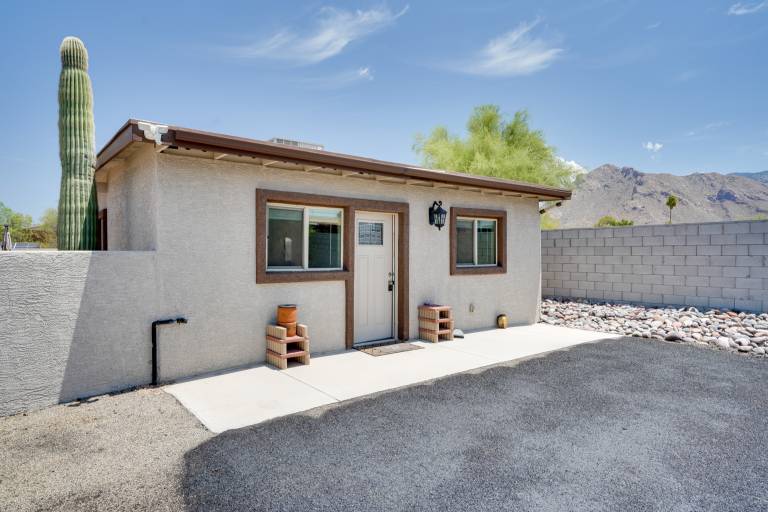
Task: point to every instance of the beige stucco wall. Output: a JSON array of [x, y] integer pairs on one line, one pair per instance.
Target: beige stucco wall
[[74, 324], [182, 236], [206, 233], [131, 197]]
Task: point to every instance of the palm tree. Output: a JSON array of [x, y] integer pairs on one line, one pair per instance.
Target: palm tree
[[671, 203]]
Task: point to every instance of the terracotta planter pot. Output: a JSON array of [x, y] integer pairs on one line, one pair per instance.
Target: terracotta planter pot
[[286, 314], [290, 328]]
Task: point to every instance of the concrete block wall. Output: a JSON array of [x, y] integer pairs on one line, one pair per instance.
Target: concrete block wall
[[716, 264]]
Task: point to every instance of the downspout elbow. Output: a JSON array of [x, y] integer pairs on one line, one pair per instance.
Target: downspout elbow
[[179, 320]]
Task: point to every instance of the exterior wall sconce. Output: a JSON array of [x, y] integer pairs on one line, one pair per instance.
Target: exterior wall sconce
[[437, 215]]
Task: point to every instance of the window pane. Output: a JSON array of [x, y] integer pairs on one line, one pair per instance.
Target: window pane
[[464, 242], [486, 242], [324, 238], [285, 240], [324, 245], [325, 215], [370, 233]]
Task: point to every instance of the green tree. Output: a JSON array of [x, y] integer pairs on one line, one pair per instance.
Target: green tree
[[22, 230], [19, 220], [671, 203], [608, 221], [49, 222], [49, 219], [5, 214], [495, 147]]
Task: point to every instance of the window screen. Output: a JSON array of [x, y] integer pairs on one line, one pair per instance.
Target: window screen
[[486, 242], [465, 242], [475, 242], [301, 237], [285, 239], [324, 238]]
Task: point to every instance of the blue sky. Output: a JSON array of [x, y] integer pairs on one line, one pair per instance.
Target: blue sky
[[661, 86]]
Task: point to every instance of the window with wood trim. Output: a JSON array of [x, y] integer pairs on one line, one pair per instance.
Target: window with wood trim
[[475, 242], [304, 237], [478, 239]]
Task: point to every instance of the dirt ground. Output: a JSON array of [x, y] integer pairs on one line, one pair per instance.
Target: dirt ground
[[118, 452]]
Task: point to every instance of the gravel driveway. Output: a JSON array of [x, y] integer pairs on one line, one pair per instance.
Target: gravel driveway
[[618, 425]]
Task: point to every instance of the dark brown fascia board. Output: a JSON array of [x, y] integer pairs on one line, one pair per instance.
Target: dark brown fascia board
[[127, 134], [196, 139]]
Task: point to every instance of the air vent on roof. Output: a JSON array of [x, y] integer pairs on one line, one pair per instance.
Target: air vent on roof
[[297, 143]]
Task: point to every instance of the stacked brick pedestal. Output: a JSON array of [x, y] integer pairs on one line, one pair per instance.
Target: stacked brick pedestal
[[435, 323], [281, 347]]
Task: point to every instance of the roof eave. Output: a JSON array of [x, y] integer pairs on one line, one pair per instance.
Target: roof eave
[[196, 139]]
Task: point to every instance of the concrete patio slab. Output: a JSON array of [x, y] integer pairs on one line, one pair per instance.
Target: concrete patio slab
[[346, 377], [500, 345], [246, 397]]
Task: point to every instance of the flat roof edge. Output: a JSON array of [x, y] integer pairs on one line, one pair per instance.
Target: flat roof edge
[[178, 136]]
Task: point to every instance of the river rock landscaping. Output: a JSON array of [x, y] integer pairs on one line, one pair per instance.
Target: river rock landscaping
[[741, 332]]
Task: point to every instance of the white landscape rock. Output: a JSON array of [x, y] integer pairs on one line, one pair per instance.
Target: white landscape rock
[[745, 333]]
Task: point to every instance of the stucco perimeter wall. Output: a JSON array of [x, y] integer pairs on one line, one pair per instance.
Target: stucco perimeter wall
[[206, 255], [719, 265], [73, 324]]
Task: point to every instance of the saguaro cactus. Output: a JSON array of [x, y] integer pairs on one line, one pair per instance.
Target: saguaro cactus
[[78, 211]]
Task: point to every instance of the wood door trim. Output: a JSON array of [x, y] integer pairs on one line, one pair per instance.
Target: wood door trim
[[347, 273], [395, 267]]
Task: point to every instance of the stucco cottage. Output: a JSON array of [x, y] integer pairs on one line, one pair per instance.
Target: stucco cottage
[[239, 226]]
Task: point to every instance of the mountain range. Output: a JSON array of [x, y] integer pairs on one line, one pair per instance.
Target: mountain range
[[625, 193], [762, 177]]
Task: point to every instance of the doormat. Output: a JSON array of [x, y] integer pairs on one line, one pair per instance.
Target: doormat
[[394, 348]]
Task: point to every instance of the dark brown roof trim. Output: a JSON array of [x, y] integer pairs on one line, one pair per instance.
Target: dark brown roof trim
[[196, 139], [127, 134]]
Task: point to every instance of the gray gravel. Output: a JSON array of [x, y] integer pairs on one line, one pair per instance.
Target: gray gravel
[[620, 425], [625, 425], [113, 453]]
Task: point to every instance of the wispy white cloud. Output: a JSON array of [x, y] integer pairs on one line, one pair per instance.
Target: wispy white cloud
[[653, 147], [340, 80], [517, 52], [715, 125], [335, 29], [742, 8], [653, 26]]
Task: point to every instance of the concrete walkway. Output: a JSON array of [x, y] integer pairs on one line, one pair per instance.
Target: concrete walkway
[[245, 397]]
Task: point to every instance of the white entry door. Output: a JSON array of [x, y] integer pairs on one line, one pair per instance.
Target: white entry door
[[374, 276]]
